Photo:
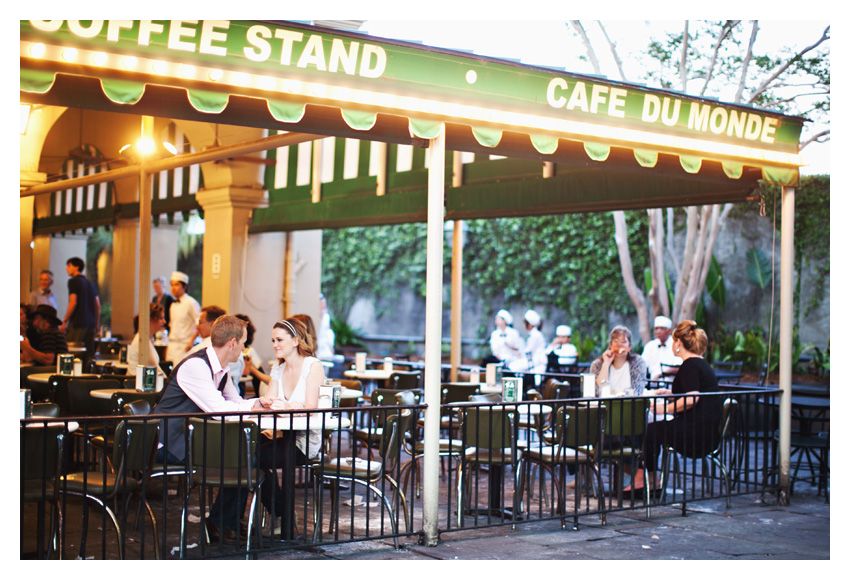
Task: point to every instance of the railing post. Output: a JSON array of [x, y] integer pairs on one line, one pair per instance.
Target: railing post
[[433, 336]]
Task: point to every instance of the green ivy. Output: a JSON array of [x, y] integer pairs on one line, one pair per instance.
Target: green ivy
[[567, 261]]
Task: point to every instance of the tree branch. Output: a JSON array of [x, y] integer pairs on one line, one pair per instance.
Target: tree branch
[[815, 138], [742, 81], [614, 53], [683, 59], [724, 33], [781, 69], [591, 54]]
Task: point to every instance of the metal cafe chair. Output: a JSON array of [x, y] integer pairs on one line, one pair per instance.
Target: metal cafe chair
[[367, 473], [42, 452], [132, 456], [579, 430]]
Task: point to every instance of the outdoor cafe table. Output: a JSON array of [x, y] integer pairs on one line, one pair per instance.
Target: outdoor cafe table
[[805, 409], [288, 426], [44, 378]]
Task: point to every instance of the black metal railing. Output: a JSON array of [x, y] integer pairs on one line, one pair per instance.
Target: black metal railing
[[566, 459]]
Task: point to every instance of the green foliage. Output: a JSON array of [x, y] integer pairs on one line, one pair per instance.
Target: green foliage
[[373, 261], [344, 335], [758, 268], [715, 286], [566, 261], [820, 360], [586, 347]]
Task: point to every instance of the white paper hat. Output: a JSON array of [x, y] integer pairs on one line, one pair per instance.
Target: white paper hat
[[532, 318], [506, 316], [663, 322], [180, 277], [563, 330]]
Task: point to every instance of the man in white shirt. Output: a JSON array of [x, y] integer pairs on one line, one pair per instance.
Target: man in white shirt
[[201, 384], [505, 342], [660, 350], [565, 352], [533, 359], [185, 311]]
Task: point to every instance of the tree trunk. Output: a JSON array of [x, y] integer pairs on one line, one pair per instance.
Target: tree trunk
[[622, 240]]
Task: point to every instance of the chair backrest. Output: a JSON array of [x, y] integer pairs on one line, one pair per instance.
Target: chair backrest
[[580, 426], [80, 399], [489, 428], [626, 417], [405, 380], [135, 446], [45, 410], [390, 447], [554, 390], [137, 407], [221, 444], [352, 384], [58, 385], [457, 392], [42, 452], [727, 422], [167, 366]]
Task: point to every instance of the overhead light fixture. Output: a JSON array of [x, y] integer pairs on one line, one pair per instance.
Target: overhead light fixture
[[146, 148]]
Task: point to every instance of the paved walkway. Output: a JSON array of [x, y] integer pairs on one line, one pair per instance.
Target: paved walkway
[[750, 530]]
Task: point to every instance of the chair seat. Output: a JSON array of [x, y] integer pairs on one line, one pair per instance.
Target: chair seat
[[446, 446], [490, 456], [366, 469], [92, 483], [617, 453], [229, 477], [547, 454]]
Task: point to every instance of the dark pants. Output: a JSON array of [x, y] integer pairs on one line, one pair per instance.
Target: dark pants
[[686, 438], [271, 456], [84, 335]]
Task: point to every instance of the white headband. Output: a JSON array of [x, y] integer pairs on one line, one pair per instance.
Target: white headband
[[290, 328]]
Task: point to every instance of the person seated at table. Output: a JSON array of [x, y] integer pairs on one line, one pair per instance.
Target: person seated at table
[[28, 331], [209, 314], [618, 367], [661, 362], [693, 430], [163, 298], [533, 358], [256, 371], [239, 369], [51, 340], [506, 344], [561, 352], [200, 384], [294, 384], [157, 323]]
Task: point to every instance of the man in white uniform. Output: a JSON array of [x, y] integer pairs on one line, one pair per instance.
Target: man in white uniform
[[185, 311], [505, 342], [533, 359], [660, 350], [562, 348]]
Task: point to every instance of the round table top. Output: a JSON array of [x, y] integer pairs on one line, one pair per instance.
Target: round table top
[[373, 374], [803, 401], [45, 377], [71, 425]]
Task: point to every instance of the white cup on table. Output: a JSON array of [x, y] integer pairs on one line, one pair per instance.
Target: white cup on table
[[360, 362]]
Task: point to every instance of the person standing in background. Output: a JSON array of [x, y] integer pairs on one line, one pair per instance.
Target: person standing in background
[[505, 342], [162, 298], [44, 295], [185, 311], [659, 351], [326, 337], [82, 319], [533, 359]]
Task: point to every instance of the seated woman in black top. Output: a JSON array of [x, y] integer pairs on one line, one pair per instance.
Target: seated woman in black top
[[693, 431]]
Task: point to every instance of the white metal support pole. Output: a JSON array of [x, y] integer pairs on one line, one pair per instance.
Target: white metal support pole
[[433, 335], [144, 263], [457, 275], [786, 308]]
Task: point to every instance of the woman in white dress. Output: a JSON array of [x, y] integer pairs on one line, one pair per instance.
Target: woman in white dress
[[295, 383]]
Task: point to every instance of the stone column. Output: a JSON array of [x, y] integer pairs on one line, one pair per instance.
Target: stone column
[[125, 271], [227, 211]]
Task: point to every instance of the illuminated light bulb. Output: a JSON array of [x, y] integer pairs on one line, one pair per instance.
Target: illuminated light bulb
[[319, 90], [37, 50], [99, 58], [130, 62], [187, 71], [240, 79], [266, 83], [169, 147], [159, 67], [292, 86], [386, 100], [69, 54], [471, 77], [216, 74], [145, 146], [341, 93]]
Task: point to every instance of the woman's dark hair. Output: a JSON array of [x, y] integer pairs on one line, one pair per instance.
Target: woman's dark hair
[[156, 311], [692, 337], [250, 327]]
